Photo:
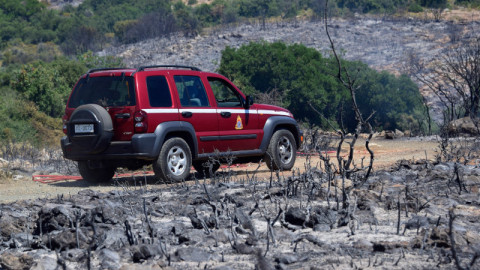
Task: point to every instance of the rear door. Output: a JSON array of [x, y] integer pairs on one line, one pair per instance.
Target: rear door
[[122, 108], [161, 106], [196, 109]]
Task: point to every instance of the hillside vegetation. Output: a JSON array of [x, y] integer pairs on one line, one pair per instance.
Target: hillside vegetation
[[43, 51], [296, 76]]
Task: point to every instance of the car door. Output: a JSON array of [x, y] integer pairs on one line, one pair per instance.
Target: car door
[[195, 108], [237, 126]]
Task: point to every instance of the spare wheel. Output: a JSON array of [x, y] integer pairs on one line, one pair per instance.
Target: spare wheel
[[90, 129]]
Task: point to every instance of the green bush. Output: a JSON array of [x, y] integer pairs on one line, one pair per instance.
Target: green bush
[[433, 3], [21, 121], [299, 75], [393, 99], [415, 7], [468, 3], [375, 6], [28, 20], [42, 85]]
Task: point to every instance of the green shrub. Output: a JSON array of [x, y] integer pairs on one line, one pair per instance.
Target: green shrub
[[415, 8], [468, 3], [375, 6], [298, 75], [42, 85]]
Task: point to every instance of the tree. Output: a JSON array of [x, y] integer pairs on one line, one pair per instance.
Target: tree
[[42, 85], [376, 6], [81, 39], [454, 76], [346, 169], [434, 3], [292, 75], [187, 22], [151, 25], [394, 99], [468, 3], [436, 6], [49, 84]]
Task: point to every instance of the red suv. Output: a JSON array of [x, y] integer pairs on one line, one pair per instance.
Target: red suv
[[172, 117]]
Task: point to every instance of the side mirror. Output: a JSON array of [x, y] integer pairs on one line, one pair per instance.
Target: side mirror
[[248, 102]]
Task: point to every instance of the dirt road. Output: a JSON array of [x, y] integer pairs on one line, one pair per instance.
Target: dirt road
[[387, 152]]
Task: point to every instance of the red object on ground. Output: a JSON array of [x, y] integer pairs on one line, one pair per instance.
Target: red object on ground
[[46, 179]]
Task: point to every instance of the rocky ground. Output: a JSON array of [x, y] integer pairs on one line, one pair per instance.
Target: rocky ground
[[403, 217], [383, 43], [60, 4]]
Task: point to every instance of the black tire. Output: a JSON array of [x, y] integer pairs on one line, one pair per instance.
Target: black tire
[[282, 151], [90, 143], [174, 161], [203, 167], [95, 175]]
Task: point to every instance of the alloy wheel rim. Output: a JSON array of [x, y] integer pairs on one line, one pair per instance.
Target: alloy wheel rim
[[285, 150], [177, 161]]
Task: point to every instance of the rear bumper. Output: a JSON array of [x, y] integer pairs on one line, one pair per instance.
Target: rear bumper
[[140, 147]]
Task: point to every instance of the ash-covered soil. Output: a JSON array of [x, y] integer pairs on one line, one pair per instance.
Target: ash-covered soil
[[290, 221]]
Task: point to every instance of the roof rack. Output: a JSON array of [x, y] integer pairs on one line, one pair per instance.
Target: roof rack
[[142, 68], [101, 69]]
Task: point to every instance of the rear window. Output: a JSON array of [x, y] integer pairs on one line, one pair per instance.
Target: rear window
[[158, 92], [104, 91]]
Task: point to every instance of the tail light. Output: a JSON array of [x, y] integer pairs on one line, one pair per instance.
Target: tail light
[[64, 121], [140, 119]]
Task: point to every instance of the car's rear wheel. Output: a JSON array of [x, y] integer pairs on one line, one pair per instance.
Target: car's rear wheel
[[206, 168], [174, 162], [282, 151], [95, 175]]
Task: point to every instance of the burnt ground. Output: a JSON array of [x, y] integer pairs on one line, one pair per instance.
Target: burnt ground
[[403, 217]]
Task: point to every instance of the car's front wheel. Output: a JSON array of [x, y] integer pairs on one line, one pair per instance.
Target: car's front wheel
[[282, 151], [95, 175], [174, 162]]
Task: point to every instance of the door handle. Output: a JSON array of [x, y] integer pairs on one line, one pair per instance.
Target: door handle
[[187, 114], [225, 114], [122, 115]]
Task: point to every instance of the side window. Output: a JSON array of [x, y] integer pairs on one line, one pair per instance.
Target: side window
[[191, 91], [158, 92], [225, 95]]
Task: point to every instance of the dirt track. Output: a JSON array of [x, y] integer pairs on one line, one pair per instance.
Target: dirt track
[[387, 152]]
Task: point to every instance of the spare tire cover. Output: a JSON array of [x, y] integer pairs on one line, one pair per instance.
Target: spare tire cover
[[87, 141]]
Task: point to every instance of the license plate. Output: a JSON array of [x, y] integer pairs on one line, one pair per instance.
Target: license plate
[[84, 128]]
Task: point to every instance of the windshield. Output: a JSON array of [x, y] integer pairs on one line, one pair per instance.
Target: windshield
[[104, 91]]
